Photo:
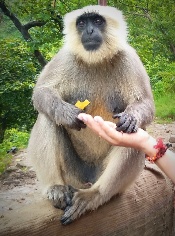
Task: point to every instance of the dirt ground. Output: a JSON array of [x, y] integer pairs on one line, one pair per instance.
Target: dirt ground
[[19, 186]]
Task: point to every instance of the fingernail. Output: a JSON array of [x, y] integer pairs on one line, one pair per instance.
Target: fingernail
[[97, 119], [82, 117]]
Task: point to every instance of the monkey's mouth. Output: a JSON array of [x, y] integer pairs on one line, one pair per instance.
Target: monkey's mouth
[[91, 45]]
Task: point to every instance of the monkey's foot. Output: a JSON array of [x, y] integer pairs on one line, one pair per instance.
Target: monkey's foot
[[83, 200], [61, 196]]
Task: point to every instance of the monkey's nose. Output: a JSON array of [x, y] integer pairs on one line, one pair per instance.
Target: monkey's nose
[[90, 30]]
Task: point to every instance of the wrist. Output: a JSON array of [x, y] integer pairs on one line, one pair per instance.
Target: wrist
[[159, 149], [148, 146]]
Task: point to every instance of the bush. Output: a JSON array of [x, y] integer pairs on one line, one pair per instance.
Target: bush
[[168, 78], [13, 138]]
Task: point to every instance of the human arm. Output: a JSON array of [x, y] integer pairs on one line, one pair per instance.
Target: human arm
[[140, 140]]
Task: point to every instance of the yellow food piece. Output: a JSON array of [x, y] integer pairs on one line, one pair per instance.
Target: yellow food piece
[[82, 105]]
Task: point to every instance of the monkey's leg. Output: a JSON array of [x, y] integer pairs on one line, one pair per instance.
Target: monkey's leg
[[123, 166], [56, 162], [45, 150]]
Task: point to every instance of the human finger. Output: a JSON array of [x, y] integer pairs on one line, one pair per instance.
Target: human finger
[[109, 129], [90, 122], [95, 126]]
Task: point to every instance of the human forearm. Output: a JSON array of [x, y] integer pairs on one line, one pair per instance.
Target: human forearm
[[166, 163], [140, 140]]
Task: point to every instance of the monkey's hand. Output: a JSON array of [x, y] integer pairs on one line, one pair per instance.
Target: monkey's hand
[[67, 116], [127, 123], [61, 196]]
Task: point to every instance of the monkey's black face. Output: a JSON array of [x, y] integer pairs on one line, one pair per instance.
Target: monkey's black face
[[90, 27]]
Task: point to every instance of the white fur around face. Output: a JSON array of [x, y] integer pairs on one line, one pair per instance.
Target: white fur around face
[[114, 38]]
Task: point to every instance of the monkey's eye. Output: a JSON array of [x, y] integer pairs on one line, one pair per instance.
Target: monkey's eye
[[81, 23], [98, 21]]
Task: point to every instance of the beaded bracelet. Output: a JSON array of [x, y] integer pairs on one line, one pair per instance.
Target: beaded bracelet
[[161, 150]]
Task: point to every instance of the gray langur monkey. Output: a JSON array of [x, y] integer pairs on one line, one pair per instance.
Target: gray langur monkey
[[77, 169]]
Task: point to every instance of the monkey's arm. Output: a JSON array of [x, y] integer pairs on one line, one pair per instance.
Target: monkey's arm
[[139, 99], [137, 114], [142, 110], [47, 101]]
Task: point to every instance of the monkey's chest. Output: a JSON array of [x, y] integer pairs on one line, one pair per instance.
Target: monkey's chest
[[100, 107], [104, 99]]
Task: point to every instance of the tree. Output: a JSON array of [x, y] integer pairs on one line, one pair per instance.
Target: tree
[[24, 28], [154, 19], [18, 70]]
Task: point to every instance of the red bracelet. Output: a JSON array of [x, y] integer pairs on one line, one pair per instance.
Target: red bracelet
[[161, 150]]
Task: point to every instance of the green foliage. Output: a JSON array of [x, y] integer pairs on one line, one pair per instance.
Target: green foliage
[[13, 138], [5, 160], [7, 29], [151, 23], [18, 70], [164, 94], [165, 108], [168, 78]]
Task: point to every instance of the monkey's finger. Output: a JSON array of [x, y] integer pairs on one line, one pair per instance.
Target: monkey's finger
[[124, 127], [117, 115], [80, 124], [131, 127], [73, 212], [128, 124], [77, 124], [122, 120], [135, 129]]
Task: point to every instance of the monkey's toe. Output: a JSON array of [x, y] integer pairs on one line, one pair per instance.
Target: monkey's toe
[[61, 196], [66, 219], [83, 200], [73, 212]]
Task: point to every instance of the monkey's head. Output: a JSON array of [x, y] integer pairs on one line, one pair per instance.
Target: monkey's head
[[95, 33]]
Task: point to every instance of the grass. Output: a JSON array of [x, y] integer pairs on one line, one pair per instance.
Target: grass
[[165, 108]]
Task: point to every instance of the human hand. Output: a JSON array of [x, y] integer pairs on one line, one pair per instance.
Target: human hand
[[107, 130], [140, 140]]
